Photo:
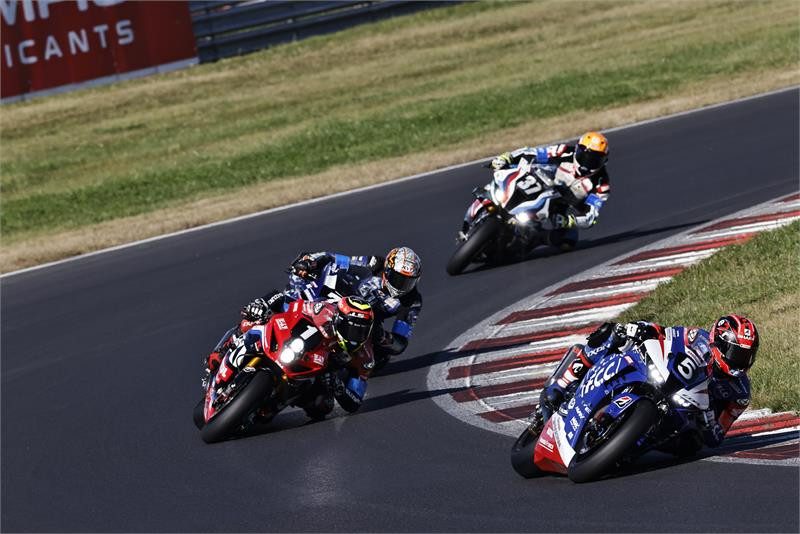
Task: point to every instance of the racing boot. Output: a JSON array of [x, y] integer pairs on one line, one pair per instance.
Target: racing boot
[[319, 401], [563, 239]]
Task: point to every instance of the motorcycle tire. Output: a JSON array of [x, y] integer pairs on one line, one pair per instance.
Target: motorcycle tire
[[522, 454], [223, 424], [602, 460], [197, 414], [475, 243]]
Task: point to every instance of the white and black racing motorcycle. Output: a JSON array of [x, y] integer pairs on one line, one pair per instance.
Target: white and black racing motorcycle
[[507, 215]]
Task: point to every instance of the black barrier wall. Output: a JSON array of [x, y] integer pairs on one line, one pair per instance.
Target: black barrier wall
[[224, 29]]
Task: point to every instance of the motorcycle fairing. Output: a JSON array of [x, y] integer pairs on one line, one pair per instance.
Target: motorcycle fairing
[[547, 454], [505, 180], [612, 373]]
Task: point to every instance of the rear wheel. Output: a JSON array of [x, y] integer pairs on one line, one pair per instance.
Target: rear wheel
[[601, 460], [475, 243], [232, 416], [522, 453]]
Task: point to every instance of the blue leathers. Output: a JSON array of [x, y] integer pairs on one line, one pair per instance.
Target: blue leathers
[[728, 396], [324, 275]]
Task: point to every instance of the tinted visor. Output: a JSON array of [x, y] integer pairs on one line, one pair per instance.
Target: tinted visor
[[353, 331], [400, 282], [736, 356], [589, 160]]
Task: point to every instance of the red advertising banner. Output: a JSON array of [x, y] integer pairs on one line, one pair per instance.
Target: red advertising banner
[[47, 44]]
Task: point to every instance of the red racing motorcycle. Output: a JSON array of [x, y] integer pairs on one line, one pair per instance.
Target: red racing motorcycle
[[268, 367]]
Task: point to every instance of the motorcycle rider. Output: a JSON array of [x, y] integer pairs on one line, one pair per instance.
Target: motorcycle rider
[[345, 329], [388, 284], [582, 177], [729, 349]]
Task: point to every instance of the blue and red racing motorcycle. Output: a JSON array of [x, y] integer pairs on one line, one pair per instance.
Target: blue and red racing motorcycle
[[630, 402]]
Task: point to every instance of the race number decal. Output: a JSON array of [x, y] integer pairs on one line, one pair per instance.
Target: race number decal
[[530, 185]]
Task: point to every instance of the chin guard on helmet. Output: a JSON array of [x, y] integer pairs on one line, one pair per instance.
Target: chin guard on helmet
[[591, 153], [401, 271], [352, 323]]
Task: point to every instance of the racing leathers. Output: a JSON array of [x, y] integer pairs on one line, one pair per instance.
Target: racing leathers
[[358, 276], [585, 195], [728, 396], [346, 378]]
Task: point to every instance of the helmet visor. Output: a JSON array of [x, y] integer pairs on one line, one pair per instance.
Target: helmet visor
[[400, 282], [737, 357], [353, 332], [589, 160]]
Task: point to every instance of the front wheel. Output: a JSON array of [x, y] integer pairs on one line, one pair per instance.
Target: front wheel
[[197, 414], [523, 450], [475, 243], [232, 416], [597, 462]]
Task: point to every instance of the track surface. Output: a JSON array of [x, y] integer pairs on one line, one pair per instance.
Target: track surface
[[101, 364]]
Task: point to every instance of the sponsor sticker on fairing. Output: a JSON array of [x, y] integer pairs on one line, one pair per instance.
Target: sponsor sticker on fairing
[[623, 401], [574, 423], [546, 443], [281, 323], [318, 359], [692, 335], [318, 307]]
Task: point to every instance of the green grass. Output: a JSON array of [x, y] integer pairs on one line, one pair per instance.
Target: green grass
[[464, 72], [759, 279]]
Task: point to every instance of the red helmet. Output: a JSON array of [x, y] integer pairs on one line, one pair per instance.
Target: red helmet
[[734, 343]]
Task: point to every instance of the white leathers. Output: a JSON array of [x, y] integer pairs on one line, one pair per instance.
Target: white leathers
[[579, 186]]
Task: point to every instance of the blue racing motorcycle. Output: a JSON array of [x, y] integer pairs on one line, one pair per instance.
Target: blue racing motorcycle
[[631, 401]]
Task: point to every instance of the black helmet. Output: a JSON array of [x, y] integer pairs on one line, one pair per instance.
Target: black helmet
[[352, 322]]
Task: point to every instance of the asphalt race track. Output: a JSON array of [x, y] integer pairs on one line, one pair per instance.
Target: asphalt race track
[[101, 367]]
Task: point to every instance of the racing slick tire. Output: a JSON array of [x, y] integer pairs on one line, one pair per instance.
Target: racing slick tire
[[197, 414], [601, 460], [227, 421], [522, 454], [475, 243]]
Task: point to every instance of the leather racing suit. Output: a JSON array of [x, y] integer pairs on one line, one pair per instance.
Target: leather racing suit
[[359, 276], [728, 396], [346, 380], [585, 195]]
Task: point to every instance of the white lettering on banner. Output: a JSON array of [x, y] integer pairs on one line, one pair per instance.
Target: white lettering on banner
[[124, 32], [26, 60], [83, 44], [44, 7], [8, 8], [52, 48], [100, 30], [79, 42]]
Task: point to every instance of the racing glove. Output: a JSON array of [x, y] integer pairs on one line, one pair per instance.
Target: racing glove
[[502, 161], [256, 310], [563, 221], [375, 264], [637, 332]]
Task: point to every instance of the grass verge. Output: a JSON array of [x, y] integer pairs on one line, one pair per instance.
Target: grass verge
[[322, 111], [759, 279]]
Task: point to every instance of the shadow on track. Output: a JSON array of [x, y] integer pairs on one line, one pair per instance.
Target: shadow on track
[[402, 397], [397, 366], [769, 447], [546, 251]]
